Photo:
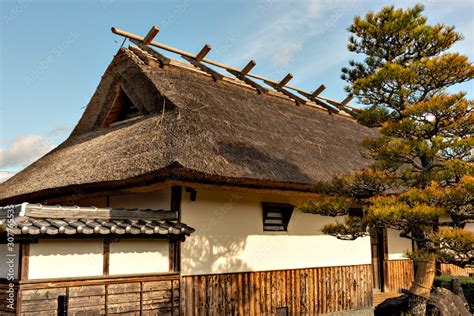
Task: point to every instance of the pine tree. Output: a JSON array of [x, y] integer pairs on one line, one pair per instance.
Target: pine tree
[[421, 181]]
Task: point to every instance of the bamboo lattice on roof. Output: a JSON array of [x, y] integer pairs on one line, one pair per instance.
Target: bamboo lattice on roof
[[199, 60]]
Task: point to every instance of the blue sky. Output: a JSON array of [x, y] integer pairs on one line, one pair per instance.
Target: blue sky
[[53, 53]]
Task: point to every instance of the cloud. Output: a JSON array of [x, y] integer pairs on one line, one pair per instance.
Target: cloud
[[278, 32], [59, 130], [284, 57], [5, 175], [24, 150]]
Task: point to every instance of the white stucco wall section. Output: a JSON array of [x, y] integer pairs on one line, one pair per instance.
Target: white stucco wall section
[[65, 258], [469, 227], [397, 246], [229, 237], [139, 256]]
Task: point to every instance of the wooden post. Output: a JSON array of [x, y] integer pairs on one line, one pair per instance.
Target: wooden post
[[248, 67], [204, 51], [106, 257], [285, 80], [318, 91], [25, 258], [62, 305], [346, 100], [151, 34], [176, 197]]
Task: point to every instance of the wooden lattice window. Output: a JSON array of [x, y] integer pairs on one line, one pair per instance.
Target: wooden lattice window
[[276, 216]]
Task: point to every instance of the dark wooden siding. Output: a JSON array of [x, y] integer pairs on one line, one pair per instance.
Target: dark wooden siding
[[4, 309], [308, 291], [150, 295]]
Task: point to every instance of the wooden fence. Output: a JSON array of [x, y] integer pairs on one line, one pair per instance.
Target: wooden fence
[[303, 291], [399, 274], [148, 295], [450, 269]]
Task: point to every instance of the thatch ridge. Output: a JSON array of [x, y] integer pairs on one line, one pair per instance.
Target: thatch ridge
[[205, 131]]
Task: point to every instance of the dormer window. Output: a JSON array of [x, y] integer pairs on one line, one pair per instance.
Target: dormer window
[[122, 110], [276, 216]]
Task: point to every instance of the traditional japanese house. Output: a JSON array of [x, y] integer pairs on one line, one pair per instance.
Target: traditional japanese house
[[177, 192]]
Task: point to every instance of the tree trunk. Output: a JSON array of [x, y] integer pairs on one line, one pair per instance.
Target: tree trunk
[[421, 289]]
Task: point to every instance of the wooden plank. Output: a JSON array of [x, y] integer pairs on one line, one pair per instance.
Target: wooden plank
[[248, 67], [25, 259], [310, 285], [326, 289], [246, 292], [204, 51], [106, 257], [257, 294], [123, 307], [346, 100], [285, 80], [240, 294], [202, 295], [151, 34], [87, 301], [41, 294], [90, 290], [123, 288], [318, 91]]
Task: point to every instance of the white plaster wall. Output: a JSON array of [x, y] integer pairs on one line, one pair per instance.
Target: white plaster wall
[[229, 237], [397, 246], [139, 256], [151, 200], [8, 259], [469, 227], [65, 258]]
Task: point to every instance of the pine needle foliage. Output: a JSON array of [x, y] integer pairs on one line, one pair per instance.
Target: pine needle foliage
[[421, 182]]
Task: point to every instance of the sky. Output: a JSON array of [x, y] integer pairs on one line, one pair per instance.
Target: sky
[[53, 53]]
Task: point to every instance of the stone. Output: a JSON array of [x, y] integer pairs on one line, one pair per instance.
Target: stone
[[443, 302], [392, 306]]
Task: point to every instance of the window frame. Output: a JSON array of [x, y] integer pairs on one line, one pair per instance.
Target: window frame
[[286, 210]]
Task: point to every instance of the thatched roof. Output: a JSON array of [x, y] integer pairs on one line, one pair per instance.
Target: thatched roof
[[193, 129]]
